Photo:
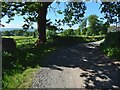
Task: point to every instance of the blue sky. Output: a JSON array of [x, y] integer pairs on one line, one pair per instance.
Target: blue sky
[[92, 8]]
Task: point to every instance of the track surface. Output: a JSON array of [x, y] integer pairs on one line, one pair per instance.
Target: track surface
[[78, 66]]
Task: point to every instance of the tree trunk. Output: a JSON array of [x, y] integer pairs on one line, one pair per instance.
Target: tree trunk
[[42, 25], [42, 22]]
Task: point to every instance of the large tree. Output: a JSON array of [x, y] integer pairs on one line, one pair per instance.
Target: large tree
[[93, 24], [37, 11]]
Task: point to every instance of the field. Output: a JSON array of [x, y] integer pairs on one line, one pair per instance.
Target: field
[[22, 40]]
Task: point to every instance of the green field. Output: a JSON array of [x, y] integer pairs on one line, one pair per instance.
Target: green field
[[22, 40]]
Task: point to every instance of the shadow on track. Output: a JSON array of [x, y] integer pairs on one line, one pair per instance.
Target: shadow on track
[[100, 72]]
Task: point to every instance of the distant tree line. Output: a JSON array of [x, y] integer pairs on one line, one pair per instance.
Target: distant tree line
[[19, 33], [89, 26], [94, 27]]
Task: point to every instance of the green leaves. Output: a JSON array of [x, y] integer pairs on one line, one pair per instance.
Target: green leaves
[[74, 12], [60, 12], [28, 8], [111, 11]]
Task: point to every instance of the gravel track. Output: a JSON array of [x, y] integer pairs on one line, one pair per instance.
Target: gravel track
[[78, 66]]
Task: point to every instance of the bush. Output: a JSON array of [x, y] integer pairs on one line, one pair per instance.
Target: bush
[[68, 32], [111, 45], [6, 33]]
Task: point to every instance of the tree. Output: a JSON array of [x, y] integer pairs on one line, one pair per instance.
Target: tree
[[105, 27], [19, 33], [111, 11], [6, 33], [74, 13], [51, 30], [77, 31], [26, 34], [37, 11], [93, 21], [95, 25], [68, 32]]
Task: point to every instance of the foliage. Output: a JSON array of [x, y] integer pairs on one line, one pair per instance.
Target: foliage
[[70, 40], [18, 33], [6, 33], [84, 31], [19, 80], [50, 32], [96, 26], [68, 32], [111, 11], [111, 45], [27, 8], [93, 24], [112, 29], [52, 27], [77, 32], [73, 13], [105, 28]]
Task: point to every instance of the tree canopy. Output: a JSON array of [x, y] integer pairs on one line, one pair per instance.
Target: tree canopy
[[111, 11], [37, 11]]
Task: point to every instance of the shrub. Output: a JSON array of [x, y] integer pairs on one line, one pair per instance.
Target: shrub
[[68, 40], [111, 45], [68, 32]]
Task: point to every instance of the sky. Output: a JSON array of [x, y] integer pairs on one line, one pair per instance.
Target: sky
[[92, 8]]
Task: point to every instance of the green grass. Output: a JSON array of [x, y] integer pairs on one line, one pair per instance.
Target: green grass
[[20, 65], [22, 41], [20, 80], [17, 37], [111, 52]]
